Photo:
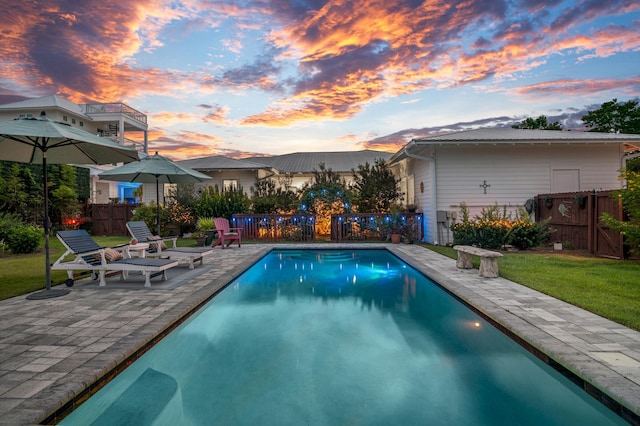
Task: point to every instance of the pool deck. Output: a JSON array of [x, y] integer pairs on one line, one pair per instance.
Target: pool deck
[[53, 350]]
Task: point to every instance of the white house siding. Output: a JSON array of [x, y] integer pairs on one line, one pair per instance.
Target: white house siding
[[423, 194], [516, 173], [246, 179]]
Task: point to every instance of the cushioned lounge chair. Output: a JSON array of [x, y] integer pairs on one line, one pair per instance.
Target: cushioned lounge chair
[[225, 233], [158, 246], [89, 256]]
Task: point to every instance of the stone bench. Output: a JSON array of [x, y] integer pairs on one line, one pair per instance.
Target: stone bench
[[488, 260]]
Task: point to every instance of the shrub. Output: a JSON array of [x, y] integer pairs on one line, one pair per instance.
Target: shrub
[[24, 239], [8, 222], [492, 233], [524, 235], [493, 229], [148, 214], [464, 233], [214, 203]]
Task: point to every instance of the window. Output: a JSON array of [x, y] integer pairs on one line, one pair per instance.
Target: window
[[82, 124], [230, 184], [64, 118], [73, 121]]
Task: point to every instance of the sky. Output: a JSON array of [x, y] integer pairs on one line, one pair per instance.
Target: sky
[[253, 78]]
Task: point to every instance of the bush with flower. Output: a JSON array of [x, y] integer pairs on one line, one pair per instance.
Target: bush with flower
[[495, 229]]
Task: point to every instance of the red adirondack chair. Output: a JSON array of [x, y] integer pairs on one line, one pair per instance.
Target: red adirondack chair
[[225, 233]]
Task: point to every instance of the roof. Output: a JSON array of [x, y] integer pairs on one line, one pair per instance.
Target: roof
[[510, 136], [307, 162], [51, 101], [221, 163]]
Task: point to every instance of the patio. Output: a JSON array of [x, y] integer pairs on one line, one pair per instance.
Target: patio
[[52, 350]]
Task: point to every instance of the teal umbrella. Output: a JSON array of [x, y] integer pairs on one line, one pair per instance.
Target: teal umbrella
[[154, 168], [43, 141]]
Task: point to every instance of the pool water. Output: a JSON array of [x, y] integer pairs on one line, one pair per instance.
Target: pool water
[[338, 338]]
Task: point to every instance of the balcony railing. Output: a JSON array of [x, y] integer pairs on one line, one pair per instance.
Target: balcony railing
[[138, 146], [116, 107]]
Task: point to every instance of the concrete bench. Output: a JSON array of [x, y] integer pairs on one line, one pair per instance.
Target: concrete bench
[[488, 260]]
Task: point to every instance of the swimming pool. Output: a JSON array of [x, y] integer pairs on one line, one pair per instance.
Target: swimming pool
[[338, 337]]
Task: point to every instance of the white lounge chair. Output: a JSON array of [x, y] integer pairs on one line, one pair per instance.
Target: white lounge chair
[[89, 256], [158, 248]]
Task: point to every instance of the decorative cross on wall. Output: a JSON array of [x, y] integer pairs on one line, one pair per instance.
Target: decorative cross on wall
[[484, 186]]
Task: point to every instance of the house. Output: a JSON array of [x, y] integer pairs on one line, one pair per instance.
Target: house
[[228, 173], [292, 170], [115, 121], [485, 167]]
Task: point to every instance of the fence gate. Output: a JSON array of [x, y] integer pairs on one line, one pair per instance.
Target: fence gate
[[607, 243], [111, 219], [576, 218]]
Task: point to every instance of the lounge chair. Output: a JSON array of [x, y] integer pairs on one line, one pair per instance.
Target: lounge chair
[[225, 233], [89, 256], [158, 247]]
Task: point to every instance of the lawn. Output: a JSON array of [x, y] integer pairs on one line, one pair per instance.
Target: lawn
[[21, 274], [607, 287]]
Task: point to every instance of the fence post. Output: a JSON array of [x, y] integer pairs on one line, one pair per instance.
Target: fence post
[[592, 221]]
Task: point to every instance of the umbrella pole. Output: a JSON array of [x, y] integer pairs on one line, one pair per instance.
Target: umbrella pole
[[157, 206], [46, 221], [47, 293]]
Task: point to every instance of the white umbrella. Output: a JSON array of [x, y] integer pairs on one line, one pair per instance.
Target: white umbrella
[[42, 141], [158, 169]]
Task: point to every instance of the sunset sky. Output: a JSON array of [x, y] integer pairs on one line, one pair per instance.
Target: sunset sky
[[250, 77]]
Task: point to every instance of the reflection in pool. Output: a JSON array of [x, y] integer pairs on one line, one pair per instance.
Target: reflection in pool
[[338, 337]]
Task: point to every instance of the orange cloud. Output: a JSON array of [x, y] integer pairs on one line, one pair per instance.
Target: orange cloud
[[421, 47], [348, 53], [164, 118]]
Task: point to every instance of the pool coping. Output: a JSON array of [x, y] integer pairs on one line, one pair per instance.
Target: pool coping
[[52, 352]]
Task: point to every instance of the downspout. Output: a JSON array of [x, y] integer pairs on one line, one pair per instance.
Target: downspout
[[433, 231]]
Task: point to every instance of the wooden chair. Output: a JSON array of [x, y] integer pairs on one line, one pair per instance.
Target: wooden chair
[[225, 233]]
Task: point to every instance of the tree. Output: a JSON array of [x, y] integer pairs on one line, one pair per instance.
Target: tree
[[631, 204], [327, 194], [539, 123], [614, 117], [267, 198], [376, 187]]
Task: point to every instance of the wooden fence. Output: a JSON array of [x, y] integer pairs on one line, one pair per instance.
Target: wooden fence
[[576, 218], [111, 219]]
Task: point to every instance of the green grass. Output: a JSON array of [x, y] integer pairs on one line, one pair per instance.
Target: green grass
[[609, 288], [22, 274]]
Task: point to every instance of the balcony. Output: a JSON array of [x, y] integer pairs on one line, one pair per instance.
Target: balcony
[[115, 108]]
